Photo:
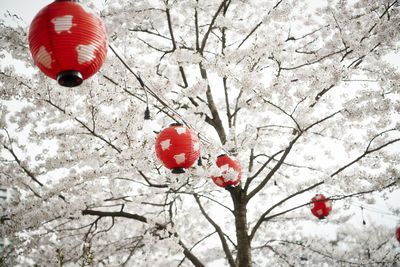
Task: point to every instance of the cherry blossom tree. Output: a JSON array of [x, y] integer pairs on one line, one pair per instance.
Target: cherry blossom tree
[[301, 93]]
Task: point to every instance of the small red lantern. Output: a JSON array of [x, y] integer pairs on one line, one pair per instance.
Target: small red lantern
[[320, 206], [398, 234], [68, 42], [230, 171], [177, 147]]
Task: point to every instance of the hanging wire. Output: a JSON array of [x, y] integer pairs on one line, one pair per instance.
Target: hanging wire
[[147, 89], [147, 111], [374, 210]]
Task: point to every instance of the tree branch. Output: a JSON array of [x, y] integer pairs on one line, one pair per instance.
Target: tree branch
[[338, 197], [115, 214], [216, 120], [143, 219], [314, 61], [219, 231], [150, 183], [251, 178], [91, 131], [273, 170], [27, 172], [366, 152], [203, 42], [262, 217]]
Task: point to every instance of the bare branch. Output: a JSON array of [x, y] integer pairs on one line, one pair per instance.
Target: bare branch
[[196, 262], [171, 32], [338, 197], [143, 219], [91, 131], [284, 112], [321, 120], [150, 183], [203, 42], [251, 178], [366, 152], [219, 231], [149, 32], [314, 61], [258, 25], [273, 170], [194, 245], [250, 33], [262, 217], [216, 120], [115, 214], [25, 169]]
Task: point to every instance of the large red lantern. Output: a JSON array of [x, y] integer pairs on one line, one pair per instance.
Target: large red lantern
[[321, 207], [177, 147], [398, 234], [68, 42], [230, 171]]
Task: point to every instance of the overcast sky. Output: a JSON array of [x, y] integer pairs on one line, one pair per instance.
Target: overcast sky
[[23, 8]]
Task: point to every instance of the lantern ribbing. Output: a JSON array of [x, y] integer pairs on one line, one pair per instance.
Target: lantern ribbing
[[177, 147], [320, 206], [68, 42], [230, 172]]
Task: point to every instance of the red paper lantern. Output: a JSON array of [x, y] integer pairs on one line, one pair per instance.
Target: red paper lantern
[[398, 234], [68, 42], [320, 206], [230, 171], [177, 147]]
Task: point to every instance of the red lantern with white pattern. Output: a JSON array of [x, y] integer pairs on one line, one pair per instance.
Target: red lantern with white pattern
[[321, 207], [68, 42], [177, 147], [230, 171], [398, 234]]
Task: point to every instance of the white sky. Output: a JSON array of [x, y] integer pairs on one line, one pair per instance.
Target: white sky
[[23, 8]]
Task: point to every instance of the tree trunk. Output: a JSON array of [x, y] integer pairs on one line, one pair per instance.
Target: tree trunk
[[243, 241]]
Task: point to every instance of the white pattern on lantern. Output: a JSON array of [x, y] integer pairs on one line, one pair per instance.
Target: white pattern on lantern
[[224, 167], [230, 175], [328, 204], [165, 144], [219, 181], [196, 146], [179, 158], [85, 53], [318, 196], [180, 130], [44, 57], [319, 212], [63, 24]]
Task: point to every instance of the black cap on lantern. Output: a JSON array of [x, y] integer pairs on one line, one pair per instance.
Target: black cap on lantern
[[176, 124], [69, 78], [229, 187], [178, 170]]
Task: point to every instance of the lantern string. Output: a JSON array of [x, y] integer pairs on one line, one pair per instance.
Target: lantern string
[[152, 93], [144, 86], [362, 215], [147, 111], [374, 210]]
